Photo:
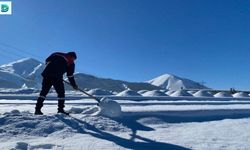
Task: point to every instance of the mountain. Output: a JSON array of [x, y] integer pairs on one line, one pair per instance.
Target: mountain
[[24, 72], [27, 72], [10, 80], [91, 82], [23, 67], [172, 82]]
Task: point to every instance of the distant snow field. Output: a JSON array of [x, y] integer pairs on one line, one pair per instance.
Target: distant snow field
[[148, 124]]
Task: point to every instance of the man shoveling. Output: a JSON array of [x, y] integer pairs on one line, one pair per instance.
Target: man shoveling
[[56, 65]]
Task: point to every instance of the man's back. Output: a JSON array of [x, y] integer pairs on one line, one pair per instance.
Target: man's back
[[57, 65]]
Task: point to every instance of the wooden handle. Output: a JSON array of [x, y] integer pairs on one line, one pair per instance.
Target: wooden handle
[[84, 92]]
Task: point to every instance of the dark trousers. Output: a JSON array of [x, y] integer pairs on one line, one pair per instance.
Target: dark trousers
[[57, 83]]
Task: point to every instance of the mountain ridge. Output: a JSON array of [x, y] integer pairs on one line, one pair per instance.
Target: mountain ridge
[[27, 72]]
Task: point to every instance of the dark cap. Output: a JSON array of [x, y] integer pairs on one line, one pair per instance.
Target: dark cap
[[72, 54]]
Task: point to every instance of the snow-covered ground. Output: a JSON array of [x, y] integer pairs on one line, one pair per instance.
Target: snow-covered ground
[[213, 123]]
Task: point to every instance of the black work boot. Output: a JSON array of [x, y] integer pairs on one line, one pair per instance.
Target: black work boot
[[39, 105], [61, 106]]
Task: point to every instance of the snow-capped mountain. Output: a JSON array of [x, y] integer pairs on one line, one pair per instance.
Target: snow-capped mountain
[[27, 72], [10, 80], [24, 72], [172, 82], [24, 67]]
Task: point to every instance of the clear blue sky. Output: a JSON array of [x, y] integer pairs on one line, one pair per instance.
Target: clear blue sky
[[137, 40]]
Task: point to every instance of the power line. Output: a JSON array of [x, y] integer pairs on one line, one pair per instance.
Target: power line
[[7, 55], [10, 52], [19, 50]]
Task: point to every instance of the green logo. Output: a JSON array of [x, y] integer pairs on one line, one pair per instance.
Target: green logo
[[4, 8]]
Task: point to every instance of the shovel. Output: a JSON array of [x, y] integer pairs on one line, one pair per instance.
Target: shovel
[[108, 107]]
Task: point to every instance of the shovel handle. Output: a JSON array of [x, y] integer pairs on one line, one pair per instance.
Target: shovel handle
[[84, 92]]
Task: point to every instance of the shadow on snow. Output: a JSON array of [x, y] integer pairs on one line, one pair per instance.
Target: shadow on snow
[[85, 128], [132, 121]]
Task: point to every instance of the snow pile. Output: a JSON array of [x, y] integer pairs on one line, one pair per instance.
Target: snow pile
[[180, 93], [223, 94], [241, 94], [27, 146], [172, 82], [106, 107], [154, 93], [110, 108], [128, 93], [99, 92], [202, 93], [25, 123], [16, 123]]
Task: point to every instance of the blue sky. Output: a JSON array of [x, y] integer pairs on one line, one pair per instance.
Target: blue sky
[[136, 40]]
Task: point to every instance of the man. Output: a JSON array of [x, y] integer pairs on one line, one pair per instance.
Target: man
[[56, 65]]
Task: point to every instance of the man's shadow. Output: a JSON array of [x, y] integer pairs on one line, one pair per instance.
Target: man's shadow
[[144, 143], [130, 120]]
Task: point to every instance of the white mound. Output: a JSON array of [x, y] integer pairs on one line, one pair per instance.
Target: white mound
[[128, 93], [241, 94], [154, 93], [223, 94], [170, 92], [163, 91], [99, 92], [142, 91], [191, 92], [16, 123], [179, 93], [110, 108], [202, 93], [172, 82]]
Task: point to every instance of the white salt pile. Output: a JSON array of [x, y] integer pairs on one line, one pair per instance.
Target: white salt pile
[[128, 93], [170, 92], [154, 93], [241, 94], [180, 93], [202, 93], [142, 91], [223, 94], [99, 92]]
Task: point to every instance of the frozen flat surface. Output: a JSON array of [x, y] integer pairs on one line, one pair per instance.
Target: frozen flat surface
[[144, 124]]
